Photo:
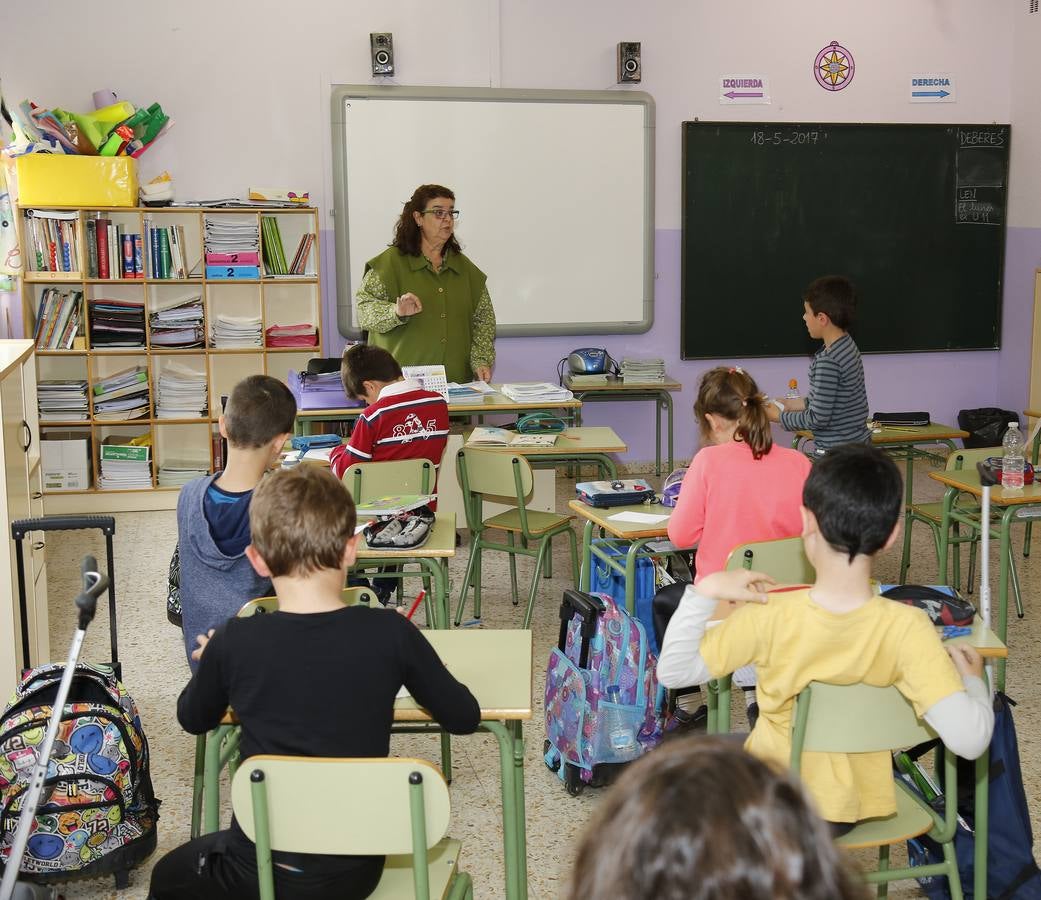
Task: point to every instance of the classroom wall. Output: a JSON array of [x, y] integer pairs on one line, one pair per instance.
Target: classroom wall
[[248, 87]]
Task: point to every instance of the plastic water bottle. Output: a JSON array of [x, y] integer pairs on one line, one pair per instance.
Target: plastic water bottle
[[620, 735], [1012, 460], [793, 390]]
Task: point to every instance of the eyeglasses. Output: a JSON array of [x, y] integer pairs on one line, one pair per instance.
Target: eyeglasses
[[438, 213]]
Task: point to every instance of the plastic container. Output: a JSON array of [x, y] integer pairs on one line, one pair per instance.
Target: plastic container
[[793, 390], [1012, 459], [621, 736]]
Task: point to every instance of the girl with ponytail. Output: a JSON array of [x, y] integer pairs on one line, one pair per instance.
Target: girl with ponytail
[[739, 487]]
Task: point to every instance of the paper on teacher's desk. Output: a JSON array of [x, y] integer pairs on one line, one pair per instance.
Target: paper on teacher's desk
[[641, 518]]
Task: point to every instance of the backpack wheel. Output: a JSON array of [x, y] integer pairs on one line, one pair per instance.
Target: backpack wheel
[[122, 879], [573, 782]]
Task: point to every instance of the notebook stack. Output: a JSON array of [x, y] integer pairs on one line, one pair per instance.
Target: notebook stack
[[58, 319], [123, 395], [116, 323], [305, 335], [536, 392], [640, 370], [175, 473], [62, 401], [125, 467], [178, 324], [236, 331], [180, 394], [232, 247]]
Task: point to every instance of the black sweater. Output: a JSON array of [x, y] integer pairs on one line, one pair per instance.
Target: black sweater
[[320, 684]]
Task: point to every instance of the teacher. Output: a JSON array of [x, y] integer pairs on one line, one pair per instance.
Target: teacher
[[423, 300]]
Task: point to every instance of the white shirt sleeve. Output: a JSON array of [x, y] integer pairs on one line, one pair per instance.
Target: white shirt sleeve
[[964, 721], [680, 663]]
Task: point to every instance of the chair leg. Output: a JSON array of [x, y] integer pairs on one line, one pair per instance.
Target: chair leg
[[1014, 578], [1027, 531], [474, 550], [955, 556], [200, 766], [549, 558], [477, 579], [905, 556], [971, 578], [539, 562], [883, 865], [513, 569], [573, 547], [953, 878]]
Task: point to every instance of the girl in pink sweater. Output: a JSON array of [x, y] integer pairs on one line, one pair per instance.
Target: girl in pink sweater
[[739, 486]]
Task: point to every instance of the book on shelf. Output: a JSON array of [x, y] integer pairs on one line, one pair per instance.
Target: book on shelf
[[178, 324], [110, 250], [125, 466], [303, 251], [52, 244], [490, 436], [116, 323], [181, 393], [62, 400], [58, 319], [122, 378]]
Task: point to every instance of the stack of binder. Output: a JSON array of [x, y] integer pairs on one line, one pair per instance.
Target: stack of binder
[[232, 247], [178, 324], [638, 370], [236, 331], [125, 467], [175, 473], [181, 394], [319, 391], [62, 401], [124, 395], [116, 323]]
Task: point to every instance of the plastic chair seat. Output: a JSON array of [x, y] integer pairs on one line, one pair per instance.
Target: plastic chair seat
[[442, 864], [538, 522], [909, 821]]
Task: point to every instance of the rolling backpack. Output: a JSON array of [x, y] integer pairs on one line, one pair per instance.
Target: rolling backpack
[[600, 686], [100, 815]]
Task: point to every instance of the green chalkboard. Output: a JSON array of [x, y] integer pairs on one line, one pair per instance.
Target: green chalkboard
[[913, 214]]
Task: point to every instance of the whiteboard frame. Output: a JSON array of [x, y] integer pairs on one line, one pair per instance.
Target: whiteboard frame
[[342, 93]]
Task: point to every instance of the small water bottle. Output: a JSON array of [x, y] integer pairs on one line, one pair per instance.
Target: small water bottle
[[620, 735], [1012, 459], [793, 390]]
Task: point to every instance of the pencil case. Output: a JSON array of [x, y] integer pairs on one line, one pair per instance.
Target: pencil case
[[901, 418], [307, 442], [615, 493]]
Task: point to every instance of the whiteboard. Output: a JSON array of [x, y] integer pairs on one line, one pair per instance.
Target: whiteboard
[[555, 191]]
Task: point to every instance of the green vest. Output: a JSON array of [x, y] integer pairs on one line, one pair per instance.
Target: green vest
[[442, 332]]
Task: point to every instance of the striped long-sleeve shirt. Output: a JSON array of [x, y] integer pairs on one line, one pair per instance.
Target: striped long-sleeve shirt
[[836, 405]]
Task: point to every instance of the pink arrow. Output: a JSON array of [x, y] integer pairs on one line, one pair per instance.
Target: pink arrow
[[735, 94]]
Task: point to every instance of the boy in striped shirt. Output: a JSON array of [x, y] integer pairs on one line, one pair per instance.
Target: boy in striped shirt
[[836, 407]]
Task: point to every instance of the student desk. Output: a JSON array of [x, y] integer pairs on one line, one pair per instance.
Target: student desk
[[496, 665], [574, 445], [634, 535], [617, 389], [1017, 506], [488, 405], [432, 558]]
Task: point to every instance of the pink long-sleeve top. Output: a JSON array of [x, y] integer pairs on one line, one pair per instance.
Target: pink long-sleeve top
[[729, 498]]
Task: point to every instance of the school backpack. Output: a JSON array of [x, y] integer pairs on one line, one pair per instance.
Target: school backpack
[[100, 815], [1012, 872], [600, 646]]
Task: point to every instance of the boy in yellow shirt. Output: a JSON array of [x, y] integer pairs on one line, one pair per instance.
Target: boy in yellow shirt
[[838, 632]]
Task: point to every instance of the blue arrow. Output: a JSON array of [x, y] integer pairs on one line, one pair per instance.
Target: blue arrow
[[931, 94]]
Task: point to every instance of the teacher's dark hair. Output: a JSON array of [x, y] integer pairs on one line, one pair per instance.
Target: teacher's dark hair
[[700, 819], [406, 232]]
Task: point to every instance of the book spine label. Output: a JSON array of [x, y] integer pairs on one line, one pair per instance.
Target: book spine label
[[128, 256], [153, 234], [232, 272], [245, 258]]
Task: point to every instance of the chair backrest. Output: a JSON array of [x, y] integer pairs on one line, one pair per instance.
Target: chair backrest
[[967, 459], [783, 560], [341, 806], [493, 472], [368, 481], [351, 596], [854, 718]]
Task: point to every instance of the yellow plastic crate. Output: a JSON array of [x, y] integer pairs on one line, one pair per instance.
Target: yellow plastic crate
[[47, 179]]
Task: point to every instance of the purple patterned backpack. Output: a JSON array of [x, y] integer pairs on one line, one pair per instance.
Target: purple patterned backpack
[[603, 705]]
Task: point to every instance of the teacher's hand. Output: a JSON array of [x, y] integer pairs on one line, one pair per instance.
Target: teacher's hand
[[483, 373], [408, 305]]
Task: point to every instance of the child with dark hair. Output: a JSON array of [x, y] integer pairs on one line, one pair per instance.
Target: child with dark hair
[[315, 678], [836, 407], [213, 511], [700, 819], [839, 632], [739, 486]]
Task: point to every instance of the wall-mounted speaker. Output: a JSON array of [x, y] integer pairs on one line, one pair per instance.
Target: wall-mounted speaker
[[381, 45], [629, 69]]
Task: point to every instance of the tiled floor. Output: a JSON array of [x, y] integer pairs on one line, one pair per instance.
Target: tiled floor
[[155, 670]]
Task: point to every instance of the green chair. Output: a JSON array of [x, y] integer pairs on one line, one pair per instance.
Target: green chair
[[785, 561], [504, 477], [219, 748], [931, 514], [398, 808], [859, 718]]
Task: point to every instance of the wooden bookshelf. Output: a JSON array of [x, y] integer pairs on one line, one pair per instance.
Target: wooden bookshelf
[[276, 299]]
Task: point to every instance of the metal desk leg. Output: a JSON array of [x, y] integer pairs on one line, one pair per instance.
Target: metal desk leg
[[981, 824], [666, 401], [197, 785], [516, 727], [945, 527], [1004, 549], [514, 864], [657, 433], [586, 575], [1035, 452]]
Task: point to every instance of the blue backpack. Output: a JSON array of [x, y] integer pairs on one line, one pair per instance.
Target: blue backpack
[[1012, 872]]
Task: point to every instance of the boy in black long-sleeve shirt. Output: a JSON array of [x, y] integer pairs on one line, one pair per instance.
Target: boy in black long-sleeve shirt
[[315, 678]]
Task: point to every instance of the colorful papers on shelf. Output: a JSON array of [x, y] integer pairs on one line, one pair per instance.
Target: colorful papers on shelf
[[304, 335], [57, 319]]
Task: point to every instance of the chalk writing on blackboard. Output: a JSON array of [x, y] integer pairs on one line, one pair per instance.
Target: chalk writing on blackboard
[[979, 183], [790, 136]]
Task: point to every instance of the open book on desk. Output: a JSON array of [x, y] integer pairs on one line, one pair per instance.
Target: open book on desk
[[490, 436]]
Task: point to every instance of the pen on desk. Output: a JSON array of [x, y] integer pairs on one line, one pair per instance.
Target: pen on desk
[[415, 604]]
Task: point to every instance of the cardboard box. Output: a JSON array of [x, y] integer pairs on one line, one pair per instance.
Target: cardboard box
[[65, 461], [47, 179], [112, 450]]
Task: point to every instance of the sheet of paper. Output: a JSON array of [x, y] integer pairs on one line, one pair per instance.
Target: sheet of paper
[[319, 454], [402, 693], [638, 517]]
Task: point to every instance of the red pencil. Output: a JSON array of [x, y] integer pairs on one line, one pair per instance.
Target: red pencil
[[415, 604]]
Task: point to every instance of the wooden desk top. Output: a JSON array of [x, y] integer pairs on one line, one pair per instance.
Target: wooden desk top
[[487, 404], [1032, 413], [581, 439], [625, 530], [619, 384], [440, 543], [495, 664], [969, 480], [910, 434]]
